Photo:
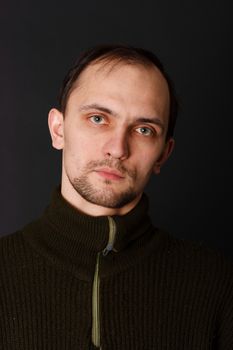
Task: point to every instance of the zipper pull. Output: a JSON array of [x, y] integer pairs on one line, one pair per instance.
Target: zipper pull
[[111, 237], [107, 249]]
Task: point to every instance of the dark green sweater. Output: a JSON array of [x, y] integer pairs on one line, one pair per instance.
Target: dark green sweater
[[151, 291]]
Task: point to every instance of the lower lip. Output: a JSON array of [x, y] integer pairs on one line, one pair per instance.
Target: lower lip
[[109, 176]]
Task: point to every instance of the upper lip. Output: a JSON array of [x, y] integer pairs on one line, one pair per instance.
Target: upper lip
[[110, 171]]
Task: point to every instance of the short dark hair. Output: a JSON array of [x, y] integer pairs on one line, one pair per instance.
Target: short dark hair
[[119, 53]]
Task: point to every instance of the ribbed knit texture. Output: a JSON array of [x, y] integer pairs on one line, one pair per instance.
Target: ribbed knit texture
[[156, 292]]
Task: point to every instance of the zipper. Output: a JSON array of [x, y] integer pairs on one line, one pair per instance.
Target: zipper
[[95, 306], [96, 285]]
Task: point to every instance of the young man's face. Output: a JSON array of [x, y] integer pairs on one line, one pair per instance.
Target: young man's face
[[113, 136]]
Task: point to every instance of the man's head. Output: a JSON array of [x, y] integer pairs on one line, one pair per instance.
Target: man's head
[[115, 126]]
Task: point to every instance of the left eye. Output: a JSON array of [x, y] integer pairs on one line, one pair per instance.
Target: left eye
[[97, 119], [144, 131]]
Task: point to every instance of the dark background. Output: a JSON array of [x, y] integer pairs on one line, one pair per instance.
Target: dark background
[[192, 198]]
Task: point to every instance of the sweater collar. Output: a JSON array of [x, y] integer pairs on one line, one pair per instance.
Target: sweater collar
[[72, 238], [93, 231]]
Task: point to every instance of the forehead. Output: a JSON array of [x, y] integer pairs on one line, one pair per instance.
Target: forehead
[[129, 87], [106, 68]]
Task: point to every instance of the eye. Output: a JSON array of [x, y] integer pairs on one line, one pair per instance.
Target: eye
[[145, 131], [97, 119]]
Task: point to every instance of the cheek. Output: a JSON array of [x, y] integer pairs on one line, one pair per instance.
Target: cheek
[[75, 143], [79, 151], [147, 159], [145, 171], [145, 165], [148, 156]]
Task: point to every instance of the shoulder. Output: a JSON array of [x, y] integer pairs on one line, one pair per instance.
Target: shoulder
[[198, 253], [13, 243], [18, 258], [11, 247], [197, 272], [191, 260], [199, 261], [10, 241], [15, 249]]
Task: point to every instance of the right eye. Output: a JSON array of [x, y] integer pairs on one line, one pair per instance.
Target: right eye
[[97, 119]]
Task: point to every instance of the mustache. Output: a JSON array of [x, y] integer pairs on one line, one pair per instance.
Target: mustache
[[111, 164]]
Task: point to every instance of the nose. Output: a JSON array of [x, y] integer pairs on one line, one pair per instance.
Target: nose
[[116, 146]]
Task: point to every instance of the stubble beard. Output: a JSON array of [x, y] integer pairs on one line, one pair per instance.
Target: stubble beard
[[107, 196]]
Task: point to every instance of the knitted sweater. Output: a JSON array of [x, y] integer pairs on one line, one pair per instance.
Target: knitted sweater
[[71, 281]]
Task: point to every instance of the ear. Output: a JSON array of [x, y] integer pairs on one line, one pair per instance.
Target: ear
[[56, 128], [168, 148]]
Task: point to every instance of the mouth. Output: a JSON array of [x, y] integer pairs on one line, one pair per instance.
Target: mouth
[[110, 174]]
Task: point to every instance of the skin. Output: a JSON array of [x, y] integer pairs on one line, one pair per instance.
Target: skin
[[113, 136]]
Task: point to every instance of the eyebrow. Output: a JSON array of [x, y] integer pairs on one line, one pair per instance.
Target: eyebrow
[[98, 107], [153, 120]]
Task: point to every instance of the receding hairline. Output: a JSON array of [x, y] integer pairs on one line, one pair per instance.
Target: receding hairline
[[112, 62]]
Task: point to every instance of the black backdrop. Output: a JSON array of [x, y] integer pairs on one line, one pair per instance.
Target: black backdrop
[[192, 198]]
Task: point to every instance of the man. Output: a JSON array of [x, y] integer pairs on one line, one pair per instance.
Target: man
[[92, 272]]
